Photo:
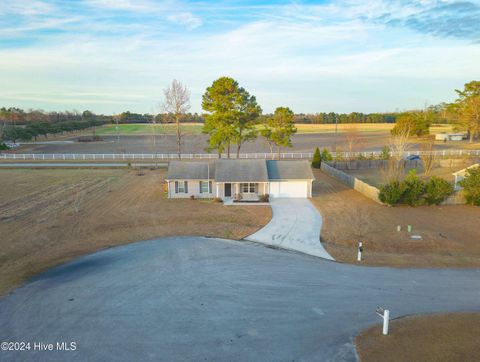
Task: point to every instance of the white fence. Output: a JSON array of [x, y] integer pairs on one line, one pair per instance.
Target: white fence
[[190, 156], [141, 156]]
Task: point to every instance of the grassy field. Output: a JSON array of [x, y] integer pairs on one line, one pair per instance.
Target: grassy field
[[50, 216], [196, 128], [148, 129], [449, 233], [436, 337]]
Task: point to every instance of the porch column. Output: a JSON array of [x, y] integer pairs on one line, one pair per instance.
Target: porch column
[[217, 186]]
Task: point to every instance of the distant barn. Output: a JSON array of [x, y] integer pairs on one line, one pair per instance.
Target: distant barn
[[450, 136]]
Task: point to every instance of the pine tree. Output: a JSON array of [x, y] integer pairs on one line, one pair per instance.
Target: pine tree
[[317, 160]]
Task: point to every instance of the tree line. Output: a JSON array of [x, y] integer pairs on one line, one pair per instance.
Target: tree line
[[16, 124], [463, 114], [354, 117], [232, 117], [19, 116]]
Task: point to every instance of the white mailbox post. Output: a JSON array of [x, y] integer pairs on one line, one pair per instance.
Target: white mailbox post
[[385, 315], [360, 251]]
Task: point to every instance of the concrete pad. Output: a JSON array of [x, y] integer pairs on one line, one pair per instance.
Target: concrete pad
[[295, 225]]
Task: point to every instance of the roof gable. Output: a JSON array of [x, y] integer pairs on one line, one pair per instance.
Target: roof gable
[[190, 170], [289, 170], [241, 171]]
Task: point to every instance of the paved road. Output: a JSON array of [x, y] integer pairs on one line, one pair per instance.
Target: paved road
[[295, 225], [195, 299]]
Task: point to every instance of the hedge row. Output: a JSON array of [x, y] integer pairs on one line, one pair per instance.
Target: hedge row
[[413, 191]]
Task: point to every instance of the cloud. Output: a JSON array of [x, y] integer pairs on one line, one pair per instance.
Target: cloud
[[187, 19], [455, 19], [27, 7], [125, 5], [342, 55]]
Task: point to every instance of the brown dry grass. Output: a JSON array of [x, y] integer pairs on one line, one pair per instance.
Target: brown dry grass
[[440, 337], [450, 236], [378, 176], [50, 216]]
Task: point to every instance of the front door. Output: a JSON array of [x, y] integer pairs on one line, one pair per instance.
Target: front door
[[228, 190]]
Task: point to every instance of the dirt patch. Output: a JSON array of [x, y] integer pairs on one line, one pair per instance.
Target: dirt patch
[[440, 337], [50, 216], [449, 234]]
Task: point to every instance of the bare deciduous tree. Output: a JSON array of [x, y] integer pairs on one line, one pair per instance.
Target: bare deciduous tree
[[177, 102], [428, 156], [352, 139], [353, 142], [398, 146], [361, 222]]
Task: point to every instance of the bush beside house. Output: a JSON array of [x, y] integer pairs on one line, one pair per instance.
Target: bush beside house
[[326, 155], [414, 188], [391, 193], [437, 190], [471, 186], [413, 191]]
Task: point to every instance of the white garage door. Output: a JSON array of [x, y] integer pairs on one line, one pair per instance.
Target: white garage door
[[289, 189]]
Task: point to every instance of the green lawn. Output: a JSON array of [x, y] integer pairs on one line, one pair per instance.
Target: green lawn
[[148, 129], [196, 128]]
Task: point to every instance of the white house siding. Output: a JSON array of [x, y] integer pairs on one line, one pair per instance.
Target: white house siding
[[262, 188], [193, 189], [286, 189]]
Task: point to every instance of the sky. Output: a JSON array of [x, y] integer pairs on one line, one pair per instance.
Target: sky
[[110, 56]]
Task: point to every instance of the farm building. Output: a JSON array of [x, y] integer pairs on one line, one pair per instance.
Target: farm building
[[450, 136]]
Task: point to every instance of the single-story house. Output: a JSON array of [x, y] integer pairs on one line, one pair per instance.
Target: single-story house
[[245, 180]]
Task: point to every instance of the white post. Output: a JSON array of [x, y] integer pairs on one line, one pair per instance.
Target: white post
[[360, 249], [386, 319]]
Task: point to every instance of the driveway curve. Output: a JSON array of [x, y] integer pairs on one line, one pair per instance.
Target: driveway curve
[[295, 225], [193, 298]]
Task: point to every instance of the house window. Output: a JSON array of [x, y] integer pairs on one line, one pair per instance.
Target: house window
[[205, 187], [181, 187], [247, 188]]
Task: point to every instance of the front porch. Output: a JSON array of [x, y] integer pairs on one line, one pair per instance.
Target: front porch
[[241, 191]]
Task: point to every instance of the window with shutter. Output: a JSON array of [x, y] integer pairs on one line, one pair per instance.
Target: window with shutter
[[204, 187], [181, 187]]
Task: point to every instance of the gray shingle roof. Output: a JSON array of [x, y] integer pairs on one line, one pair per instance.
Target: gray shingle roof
[[188, 170], [241, 171], [289, 170]]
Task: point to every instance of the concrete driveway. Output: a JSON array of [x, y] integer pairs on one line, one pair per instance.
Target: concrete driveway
[[295, 225], [196, 299]]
